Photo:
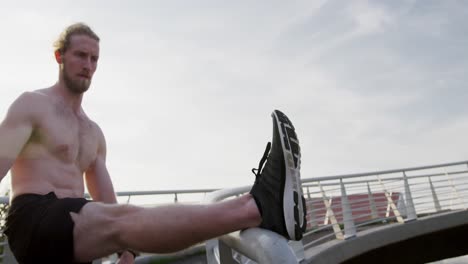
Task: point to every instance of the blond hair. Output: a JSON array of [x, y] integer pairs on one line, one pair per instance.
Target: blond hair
[[63, 42]]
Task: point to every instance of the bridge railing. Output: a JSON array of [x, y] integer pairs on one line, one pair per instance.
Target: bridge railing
[[338, 208], [341, 206]]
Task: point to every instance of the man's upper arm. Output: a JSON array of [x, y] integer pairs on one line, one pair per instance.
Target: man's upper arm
[[15, 131]]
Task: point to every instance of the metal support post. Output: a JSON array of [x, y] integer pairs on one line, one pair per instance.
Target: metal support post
[[349, 227], [312, 221], [410, 210], [455, 191], [437, 206]]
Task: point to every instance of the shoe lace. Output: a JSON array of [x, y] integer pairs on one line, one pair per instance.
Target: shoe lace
[[258, 171]]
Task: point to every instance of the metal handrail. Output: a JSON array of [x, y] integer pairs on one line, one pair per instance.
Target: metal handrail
[[136, 193], [373, 173], [330, 178], [260, 245], [394, 205]]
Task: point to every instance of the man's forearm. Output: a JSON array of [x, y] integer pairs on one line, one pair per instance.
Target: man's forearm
[[110, 200], [100, 187], [105, 196]]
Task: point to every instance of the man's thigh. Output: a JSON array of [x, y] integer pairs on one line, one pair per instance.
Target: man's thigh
[[96, 231]]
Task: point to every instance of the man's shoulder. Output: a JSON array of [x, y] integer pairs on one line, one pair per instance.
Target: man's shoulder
[[33, 101], [98, 132], [94, 126], [29, 105], [32, 98]]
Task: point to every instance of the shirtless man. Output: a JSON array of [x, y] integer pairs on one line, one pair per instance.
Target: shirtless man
[[53, 148]]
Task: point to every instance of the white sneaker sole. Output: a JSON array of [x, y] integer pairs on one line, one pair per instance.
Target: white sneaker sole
[[292, 200]]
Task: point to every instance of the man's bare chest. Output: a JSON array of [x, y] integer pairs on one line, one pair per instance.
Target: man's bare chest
[[66, 137]]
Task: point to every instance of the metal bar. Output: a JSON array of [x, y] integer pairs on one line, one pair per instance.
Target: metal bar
[[225, 254], [345, 176], [410, 210], [437, 206], [455, 190], [326, 219], [311, 212], [137, 193], [349, 228]]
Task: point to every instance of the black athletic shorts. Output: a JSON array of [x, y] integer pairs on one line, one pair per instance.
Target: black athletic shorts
[[40, 229]]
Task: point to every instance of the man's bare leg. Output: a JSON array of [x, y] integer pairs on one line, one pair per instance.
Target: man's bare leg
[[275, 203], [102, 229]]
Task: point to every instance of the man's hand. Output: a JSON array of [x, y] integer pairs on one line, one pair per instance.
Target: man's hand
[[126, 258]]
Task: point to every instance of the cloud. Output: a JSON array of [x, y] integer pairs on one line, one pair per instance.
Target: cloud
[[369, 19], [185, 93]]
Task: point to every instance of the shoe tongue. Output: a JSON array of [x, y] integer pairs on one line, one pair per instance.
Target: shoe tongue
[[264, 158]]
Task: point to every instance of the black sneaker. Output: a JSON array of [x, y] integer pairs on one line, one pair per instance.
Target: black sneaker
[[277, 188]]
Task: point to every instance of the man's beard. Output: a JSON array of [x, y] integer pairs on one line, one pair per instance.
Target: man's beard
[[77, 86]]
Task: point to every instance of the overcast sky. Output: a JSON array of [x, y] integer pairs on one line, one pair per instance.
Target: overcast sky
[[184, 89]]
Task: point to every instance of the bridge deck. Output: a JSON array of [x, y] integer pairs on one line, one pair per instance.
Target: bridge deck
[[426, 239]]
